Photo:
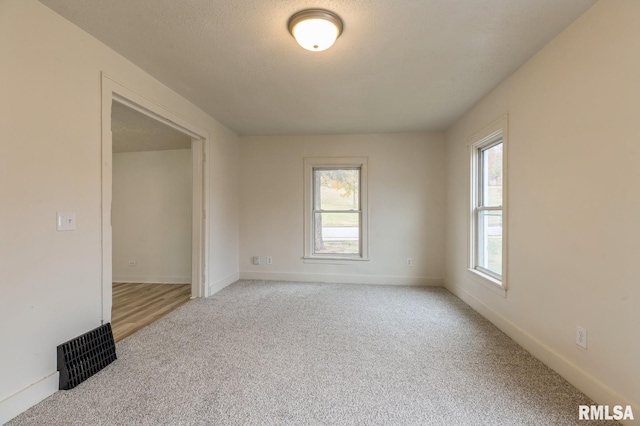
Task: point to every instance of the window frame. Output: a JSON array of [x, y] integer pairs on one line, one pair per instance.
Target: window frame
[[310, 165], [487, 138]]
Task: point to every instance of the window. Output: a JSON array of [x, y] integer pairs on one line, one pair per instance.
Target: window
[[335, 209], [487, 236]]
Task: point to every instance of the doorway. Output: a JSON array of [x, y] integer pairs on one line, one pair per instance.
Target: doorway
[[187, 255], [151, 213]]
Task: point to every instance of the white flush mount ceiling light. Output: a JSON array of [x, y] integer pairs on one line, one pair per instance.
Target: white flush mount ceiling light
[[315, 29]]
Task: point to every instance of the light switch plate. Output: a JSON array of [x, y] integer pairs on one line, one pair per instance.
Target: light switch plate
[[66, 221]]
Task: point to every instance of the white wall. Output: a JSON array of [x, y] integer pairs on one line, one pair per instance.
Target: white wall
[[151, 216], [574, 233], [223, 161], [406, 207], [50, 160]]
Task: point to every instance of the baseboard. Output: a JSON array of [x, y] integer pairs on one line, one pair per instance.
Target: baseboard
[[26, 398], [342, 278], [585, 382], [220, 284], [151, 280]]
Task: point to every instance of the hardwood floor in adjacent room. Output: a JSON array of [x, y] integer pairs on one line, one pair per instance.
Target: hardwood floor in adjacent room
[[136, 305]]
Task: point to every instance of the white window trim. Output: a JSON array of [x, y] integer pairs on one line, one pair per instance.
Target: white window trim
[[309, 164], [486, 137]]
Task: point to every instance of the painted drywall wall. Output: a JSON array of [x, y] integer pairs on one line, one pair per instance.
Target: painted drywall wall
[[50, 161], [574, 234], [406, 207], [151, 216]]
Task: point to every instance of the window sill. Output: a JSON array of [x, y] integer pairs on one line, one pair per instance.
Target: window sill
[[334, 260], [488, 282]]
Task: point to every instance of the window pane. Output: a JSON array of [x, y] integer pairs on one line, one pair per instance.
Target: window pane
[[337, 233], [490, 241], [337, 189], [491, 178]]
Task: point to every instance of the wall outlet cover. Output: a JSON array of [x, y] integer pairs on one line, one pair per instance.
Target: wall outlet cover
[[581, 337]]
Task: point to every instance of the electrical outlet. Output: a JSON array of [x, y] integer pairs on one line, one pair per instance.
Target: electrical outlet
[[132, 263], [581, 337], [409, 261], [256, 260], [269, 260]]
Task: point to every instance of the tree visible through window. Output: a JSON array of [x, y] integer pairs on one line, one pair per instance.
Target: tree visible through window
[[489, 209], [336, 210]]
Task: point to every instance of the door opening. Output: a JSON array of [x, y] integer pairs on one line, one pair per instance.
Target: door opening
[[151, 213], [167, 167]]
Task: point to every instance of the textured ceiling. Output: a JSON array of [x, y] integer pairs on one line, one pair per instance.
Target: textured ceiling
[[400, 65], [133, 131]]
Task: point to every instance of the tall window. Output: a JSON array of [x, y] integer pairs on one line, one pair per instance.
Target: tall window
[[489, 210], [335, 208], [488, 218]]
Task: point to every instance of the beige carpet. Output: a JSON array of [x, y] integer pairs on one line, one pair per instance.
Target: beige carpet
[[273, 353]]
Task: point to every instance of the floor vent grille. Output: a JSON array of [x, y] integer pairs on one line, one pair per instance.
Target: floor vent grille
[[84, 356]]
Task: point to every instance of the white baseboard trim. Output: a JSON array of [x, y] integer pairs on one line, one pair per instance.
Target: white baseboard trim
[[151, 280], [342, 278], [220, 284], [26, 398], [585, 382]]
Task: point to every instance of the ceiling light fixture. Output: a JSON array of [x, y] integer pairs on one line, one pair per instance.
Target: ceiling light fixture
[[315, 29]]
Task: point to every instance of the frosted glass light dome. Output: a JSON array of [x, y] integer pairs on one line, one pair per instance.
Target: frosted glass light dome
[[315, 29]]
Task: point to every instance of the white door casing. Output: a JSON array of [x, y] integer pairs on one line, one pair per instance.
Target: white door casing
[[113, 91]]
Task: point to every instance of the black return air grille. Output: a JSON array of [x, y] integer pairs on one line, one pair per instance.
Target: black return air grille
[[84, 356]]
